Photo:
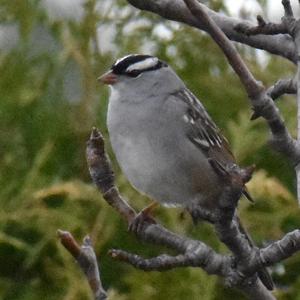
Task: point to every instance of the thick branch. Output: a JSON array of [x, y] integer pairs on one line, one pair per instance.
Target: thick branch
[[252, 287], [230, 230], [247, 259], [288, 11], [101, 172], [253, 87], [176, 10], [273, 253], [190, 252], [293, 26], [205, 19], [257, 291], [263, 105], [86, 258]]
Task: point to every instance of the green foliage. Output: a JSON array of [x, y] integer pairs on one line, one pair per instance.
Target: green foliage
[[49, 102]]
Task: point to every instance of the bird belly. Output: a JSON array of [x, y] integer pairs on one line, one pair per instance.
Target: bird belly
[[158, 165]]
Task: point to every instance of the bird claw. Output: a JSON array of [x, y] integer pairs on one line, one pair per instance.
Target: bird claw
[[199, 214], [137, 224]]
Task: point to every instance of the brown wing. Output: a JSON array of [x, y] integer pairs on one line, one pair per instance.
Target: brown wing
[[205, 134], [202, 131]]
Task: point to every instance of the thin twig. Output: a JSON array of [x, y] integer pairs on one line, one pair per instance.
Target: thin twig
[[86, 259], [167, 262], [262, 28], [103, 175], [281, 87]]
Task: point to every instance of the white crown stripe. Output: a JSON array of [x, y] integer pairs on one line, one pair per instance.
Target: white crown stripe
[[121, 59], [143, 65]]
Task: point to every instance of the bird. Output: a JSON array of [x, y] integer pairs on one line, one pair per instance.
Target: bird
[[164, 139]]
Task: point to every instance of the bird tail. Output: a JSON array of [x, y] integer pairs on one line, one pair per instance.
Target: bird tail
[[263, 273]]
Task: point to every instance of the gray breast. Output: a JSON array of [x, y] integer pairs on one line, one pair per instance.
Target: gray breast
[[155, 155]]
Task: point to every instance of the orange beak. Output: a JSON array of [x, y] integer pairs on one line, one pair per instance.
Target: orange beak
[[108, 78]]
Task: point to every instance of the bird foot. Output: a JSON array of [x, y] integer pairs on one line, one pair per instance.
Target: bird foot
[[199, 214], [141, 219]]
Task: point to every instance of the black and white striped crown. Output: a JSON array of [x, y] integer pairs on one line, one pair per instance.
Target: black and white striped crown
[[134, 64]]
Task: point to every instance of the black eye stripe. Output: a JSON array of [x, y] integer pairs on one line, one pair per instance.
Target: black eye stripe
[[133, 73]]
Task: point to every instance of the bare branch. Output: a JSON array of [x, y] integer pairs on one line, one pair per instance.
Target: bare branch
[[273, 253], [176, 10], [256, 290], [281, 87], [209, 261], [293, 28], [238, 271], [282, 249], [287, 26], [103, 175], [252, 287], [282, 140], [229, 227], [243, 268], [288, 12], [190, 252], [69, 243], [262, 104], [262, 28], [86, 258], [252, 86]]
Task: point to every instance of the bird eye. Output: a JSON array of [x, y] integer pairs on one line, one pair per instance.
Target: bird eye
[[133, 73]]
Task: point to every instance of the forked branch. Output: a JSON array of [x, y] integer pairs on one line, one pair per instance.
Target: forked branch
[[237, 272], [176, 10], [260, 99], [86, 258]]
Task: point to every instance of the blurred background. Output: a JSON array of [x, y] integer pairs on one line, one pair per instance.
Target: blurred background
[[51, 52]]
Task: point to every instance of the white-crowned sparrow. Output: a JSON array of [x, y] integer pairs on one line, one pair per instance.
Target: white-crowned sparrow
[[162, 135]]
